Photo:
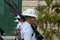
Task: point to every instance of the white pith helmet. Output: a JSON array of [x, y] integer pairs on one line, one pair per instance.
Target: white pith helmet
[[17, 16], [30, 12], [16, 20]]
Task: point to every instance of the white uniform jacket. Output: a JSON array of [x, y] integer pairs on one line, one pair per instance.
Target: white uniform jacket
[[19, 25], [27, 32]]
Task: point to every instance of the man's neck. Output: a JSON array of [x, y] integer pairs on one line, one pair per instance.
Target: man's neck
[[28, 21]]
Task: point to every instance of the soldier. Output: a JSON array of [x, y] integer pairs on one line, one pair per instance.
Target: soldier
[[26, 30], [17, 29], [20, 21]]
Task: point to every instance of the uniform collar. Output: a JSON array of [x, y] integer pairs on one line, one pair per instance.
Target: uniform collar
[[27, 23]]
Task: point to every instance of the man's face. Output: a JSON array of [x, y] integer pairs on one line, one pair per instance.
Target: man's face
[[20, 19], [32, 20]]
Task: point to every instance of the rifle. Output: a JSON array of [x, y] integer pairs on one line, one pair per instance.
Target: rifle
[[17, 9], [13, 8]]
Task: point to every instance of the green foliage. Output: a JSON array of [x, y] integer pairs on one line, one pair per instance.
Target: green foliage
[[56, 5], [48, 2], [40, 8], [44, 17]]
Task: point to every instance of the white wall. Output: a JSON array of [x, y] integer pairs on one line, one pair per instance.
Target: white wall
[[27, 4]]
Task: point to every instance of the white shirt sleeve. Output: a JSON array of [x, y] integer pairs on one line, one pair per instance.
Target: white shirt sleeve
[[27, 34], [18, 25]]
